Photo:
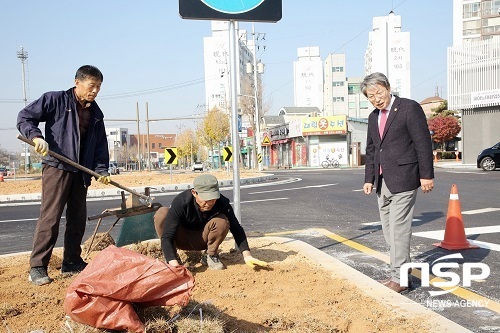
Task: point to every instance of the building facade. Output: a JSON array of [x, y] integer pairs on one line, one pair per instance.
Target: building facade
[[142, 146], [217, 67], [335, 87], [474, 74], [308, 78], [388, 52]]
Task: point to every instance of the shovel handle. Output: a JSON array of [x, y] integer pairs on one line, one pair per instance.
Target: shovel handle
[[87, 170]]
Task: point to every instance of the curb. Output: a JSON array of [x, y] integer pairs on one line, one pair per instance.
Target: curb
[[155, 189], [372, 288]]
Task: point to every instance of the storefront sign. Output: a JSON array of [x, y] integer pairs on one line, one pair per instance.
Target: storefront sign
[[324, 125]]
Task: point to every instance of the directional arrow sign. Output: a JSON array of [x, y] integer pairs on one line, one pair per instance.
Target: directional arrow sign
[[171, 155], [227, 154]]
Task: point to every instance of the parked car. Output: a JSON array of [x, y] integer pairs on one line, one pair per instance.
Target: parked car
[[197, 166], [113, 169], [489, 158]]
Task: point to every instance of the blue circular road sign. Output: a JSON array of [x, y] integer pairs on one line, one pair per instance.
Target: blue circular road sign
[[233, 6]]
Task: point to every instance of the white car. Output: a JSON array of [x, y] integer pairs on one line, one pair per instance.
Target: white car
[[197, 166], [113, 169]]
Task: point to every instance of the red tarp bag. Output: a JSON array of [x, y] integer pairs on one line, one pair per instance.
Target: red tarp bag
[[101, 295]]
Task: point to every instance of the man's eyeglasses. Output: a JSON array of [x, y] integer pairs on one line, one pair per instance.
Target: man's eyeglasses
[[378, 95]]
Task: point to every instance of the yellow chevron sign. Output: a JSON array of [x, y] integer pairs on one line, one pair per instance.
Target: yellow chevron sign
[[171, 155], [227, 154]]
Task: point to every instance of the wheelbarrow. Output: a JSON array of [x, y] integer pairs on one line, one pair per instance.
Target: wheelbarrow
[[138, 224]]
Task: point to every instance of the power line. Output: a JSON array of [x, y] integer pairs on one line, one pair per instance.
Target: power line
[[153, 90]]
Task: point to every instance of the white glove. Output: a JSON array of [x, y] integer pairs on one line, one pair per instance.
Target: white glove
[[41, 146]]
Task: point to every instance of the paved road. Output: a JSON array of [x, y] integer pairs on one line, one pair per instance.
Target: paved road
[[327, 209]]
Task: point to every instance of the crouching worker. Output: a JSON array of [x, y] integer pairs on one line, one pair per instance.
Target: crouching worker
[[199, 219]]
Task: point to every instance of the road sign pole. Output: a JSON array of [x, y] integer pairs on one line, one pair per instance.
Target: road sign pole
[[234, 118]]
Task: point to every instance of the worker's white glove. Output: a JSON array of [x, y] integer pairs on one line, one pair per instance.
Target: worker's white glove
[[41, 146]]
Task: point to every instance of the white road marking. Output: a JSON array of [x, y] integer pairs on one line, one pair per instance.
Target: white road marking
[[295, 188], [372, 223], [480, 211], [380, 223], [265, 200], [439, 235], [20, 220]]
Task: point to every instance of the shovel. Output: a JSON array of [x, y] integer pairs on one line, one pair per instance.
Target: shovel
[[90, 172]]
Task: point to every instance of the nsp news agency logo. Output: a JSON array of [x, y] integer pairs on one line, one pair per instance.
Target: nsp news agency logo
[[442, 270]]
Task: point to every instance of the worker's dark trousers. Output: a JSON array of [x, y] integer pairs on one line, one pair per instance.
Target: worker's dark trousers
[[60, 188]]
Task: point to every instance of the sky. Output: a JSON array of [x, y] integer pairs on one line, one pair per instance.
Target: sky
[[150, 56]]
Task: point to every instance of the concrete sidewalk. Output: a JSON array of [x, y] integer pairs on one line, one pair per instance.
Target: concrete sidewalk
[[453, 164]]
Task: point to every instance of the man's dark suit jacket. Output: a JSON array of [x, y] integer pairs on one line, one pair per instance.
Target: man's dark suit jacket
[[405, 150]]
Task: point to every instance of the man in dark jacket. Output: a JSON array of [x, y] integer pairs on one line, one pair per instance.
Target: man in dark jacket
[[74, 127], [199, 219], [398, 162]]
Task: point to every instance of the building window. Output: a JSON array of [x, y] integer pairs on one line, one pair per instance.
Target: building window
[[490, 7], [338, 83], [338, 69], [153, 145], [471, 27], [113, 133], [353, 89], [471, 10], [364, 104], [491, 25], [338, 99]]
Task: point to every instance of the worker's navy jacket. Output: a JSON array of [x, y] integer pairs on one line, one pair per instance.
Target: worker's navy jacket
[[57, 109]]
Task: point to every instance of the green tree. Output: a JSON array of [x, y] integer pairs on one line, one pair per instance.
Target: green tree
[[442, 110]]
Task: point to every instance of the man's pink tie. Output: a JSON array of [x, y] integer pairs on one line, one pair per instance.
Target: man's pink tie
[[383, 121]]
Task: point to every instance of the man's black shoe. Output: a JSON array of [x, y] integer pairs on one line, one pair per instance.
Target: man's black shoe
[[73, 268]]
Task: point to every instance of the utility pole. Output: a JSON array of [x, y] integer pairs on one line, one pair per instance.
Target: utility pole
[[256, 69], [147, 139], [23, 55], [138, 138]]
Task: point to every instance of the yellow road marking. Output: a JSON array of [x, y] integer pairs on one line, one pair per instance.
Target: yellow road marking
[[459, 291]]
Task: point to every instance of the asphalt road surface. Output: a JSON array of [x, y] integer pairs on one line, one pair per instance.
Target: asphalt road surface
[[328, 210]]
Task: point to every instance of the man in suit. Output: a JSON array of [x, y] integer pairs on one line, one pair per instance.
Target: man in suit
[[399, 160]]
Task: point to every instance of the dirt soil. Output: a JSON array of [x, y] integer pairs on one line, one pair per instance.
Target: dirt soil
[[33, 183], [292, 295]]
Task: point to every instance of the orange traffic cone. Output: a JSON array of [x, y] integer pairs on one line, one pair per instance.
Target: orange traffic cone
[[454, 234], [1, 177]]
